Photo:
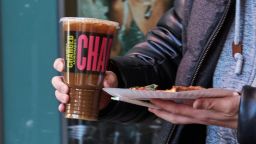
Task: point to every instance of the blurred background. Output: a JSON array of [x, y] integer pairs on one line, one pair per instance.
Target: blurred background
[[29, 43]]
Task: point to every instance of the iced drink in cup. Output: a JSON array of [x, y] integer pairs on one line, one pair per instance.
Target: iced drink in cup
[[87, 44]]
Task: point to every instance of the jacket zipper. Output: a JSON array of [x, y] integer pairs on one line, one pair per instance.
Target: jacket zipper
[[170, 134], [220, 24], [209, 43]]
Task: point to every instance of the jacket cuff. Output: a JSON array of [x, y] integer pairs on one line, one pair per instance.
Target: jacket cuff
[[132, 71], [104, 113], [114, 67], [247, 116]]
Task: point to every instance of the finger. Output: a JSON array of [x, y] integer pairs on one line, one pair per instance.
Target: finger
[[173, 118], [181, 109], [61, 97], [59, 64], [188, 102], [188, 111], [228, 124], [61, 108], [59, 85], [110, 79], [227, 105], [179, 119]]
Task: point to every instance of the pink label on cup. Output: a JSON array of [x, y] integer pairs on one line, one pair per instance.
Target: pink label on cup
[[87, 52]]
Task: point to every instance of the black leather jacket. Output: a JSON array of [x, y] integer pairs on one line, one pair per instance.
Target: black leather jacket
[[183, 50]]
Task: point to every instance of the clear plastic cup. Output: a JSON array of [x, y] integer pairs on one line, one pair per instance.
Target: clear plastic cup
[[86, 44]]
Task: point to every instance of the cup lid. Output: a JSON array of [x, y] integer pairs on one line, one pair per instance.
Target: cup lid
[[90, 20]]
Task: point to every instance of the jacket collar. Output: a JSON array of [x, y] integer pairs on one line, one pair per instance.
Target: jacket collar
[[203, 20]]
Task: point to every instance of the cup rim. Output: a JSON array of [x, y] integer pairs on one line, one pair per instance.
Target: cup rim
[[88, 19]]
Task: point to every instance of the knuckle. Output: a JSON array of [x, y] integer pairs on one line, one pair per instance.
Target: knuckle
[[58, 84], [55, 63], [174, 111], [207, 104], [232, 106], [63, 98], [57, 94], [231, 110], [199, 104], [56, 80], [203, 118]]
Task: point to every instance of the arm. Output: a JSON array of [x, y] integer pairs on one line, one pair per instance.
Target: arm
[[232, 111], [156, 59], [153, 61]]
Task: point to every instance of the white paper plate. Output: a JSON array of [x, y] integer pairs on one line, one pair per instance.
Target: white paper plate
[[136, 96], [147, 94], [136, 102]]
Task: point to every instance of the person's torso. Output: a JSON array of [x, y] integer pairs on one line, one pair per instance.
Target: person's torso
[[225, 76], [206, 24]]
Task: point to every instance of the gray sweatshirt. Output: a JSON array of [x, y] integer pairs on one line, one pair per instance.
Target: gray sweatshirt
[[225, 76]]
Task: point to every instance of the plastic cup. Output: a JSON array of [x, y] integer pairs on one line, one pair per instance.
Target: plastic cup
[[86, 44]]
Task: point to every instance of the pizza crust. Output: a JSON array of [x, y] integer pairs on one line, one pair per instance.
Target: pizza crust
[[184, 88]]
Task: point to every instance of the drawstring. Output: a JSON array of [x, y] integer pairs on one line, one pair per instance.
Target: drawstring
[[237, 44], [239, 63], [237, 22]]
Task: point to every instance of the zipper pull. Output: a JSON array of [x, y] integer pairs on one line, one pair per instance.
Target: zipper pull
[[148, 12], [237, 54]]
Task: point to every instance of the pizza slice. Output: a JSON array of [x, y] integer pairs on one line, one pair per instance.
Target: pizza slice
[[173, 89], [183, 88]]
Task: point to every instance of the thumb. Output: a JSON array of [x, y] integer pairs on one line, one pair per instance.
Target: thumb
[[204, 103], [224, 104], [110, 79]]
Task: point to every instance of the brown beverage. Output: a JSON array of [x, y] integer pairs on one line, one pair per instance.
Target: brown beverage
[[87, 46]]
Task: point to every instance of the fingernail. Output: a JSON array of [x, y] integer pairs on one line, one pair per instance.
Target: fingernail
[[59, 67], [64, 99], [55, 65]]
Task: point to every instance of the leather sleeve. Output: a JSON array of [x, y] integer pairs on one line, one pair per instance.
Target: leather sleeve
[[247, 116], [153, 61], [156, 59]]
